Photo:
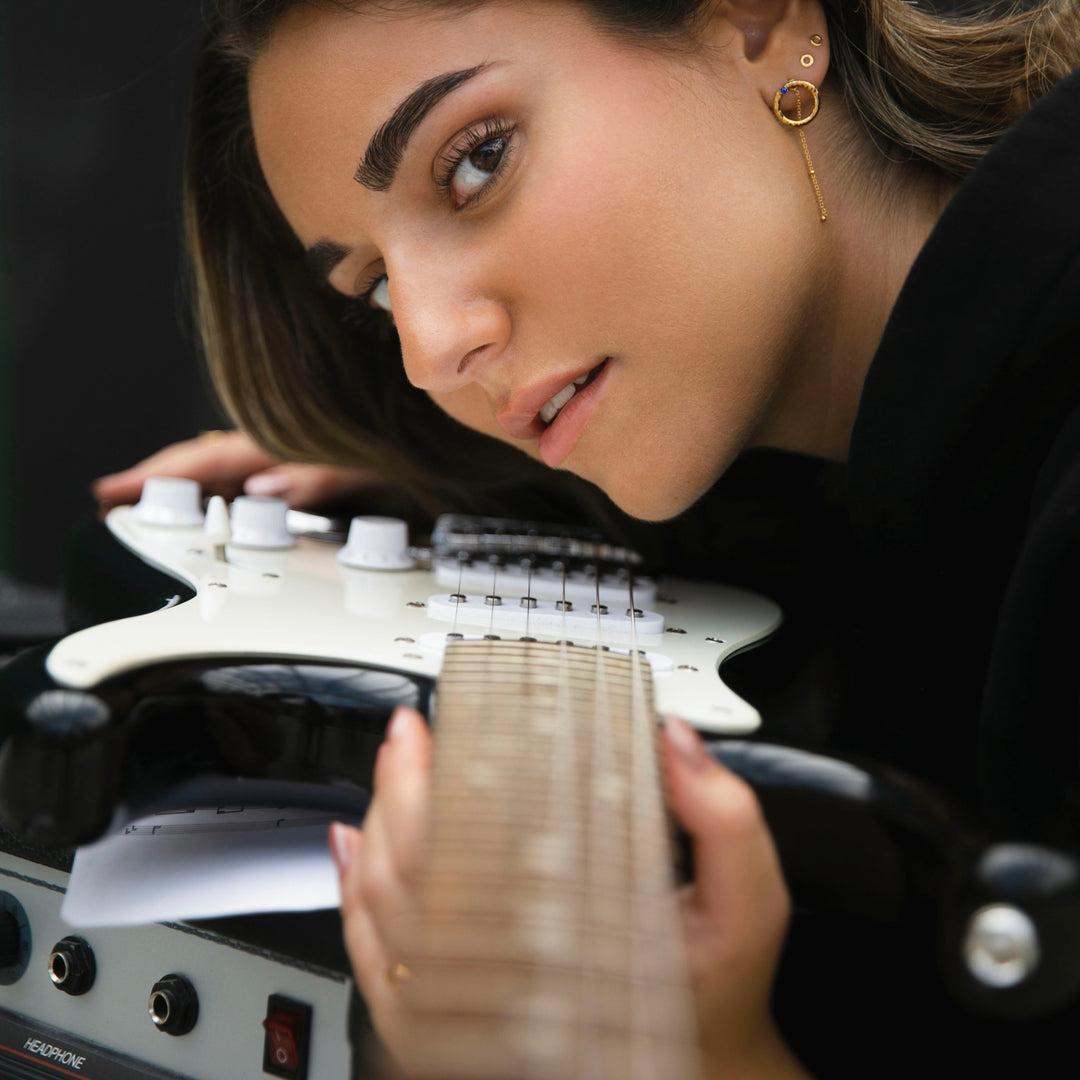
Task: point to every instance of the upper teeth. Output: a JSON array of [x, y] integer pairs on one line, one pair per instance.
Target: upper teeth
[[550, 409]]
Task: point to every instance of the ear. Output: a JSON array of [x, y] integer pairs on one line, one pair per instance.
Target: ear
[[779, 40]]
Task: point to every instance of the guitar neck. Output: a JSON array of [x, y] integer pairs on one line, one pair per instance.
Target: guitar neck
[[549, 944]]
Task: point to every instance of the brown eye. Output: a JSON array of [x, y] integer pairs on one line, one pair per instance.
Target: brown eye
[[477, 167]]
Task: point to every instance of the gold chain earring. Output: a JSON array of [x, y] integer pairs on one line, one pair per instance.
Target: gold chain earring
[[796, 86]]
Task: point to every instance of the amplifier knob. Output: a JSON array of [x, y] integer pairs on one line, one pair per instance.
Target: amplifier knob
[[9, 939], [377, 543], [14, 940], [169, 500], [259, 522]]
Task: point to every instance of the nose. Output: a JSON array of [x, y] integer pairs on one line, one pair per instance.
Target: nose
[[449, 329]]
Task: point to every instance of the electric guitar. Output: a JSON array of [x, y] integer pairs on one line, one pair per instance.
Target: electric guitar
[[262, 667]]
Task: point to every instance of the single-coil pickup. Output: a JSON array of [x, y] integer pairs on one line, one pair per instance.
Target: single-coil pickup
[[545, 583], [554, 617]]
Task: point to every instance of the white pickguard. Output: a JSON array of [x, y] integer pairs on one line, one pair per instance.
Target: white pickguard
[[300, 603]]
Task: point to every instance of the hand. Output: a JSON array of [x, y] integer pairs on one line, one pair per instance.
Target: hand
[[380, 867], [735, 913], [228, 463]]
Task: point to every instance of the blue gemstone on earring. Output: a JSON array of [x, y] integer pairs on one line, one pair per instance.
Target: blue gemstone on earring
[[783, 89]]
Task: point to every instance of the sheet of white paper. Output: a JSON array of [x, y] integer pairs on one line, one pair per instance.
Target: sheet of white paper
[[202, 863]]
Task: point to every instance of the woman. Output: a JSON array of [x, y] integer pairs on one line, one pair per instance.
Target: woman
[[630, 241]]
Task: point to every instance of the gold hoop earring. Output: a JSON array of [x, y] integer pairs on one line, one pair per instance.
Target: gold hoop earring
[[796, 86]]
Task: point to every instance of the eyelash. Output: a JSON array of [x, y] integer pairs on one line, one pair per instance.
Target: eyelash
[[359, 311], [473, 139]]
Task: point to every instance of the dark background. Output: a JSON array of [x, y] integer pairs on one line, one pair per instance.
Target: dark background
[[97, 367]]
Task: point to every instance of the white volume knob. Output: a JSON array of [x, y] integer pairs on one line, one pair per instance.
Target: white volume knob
[[377, 543], [259, 522], [169, 500]]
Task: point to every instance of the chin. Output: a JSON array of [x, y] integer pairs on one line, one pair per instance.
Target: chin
[[648, 504]]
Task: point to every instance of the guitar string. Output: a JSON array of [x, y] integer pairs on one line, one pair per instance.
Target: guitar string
[[453, 635], [528, 562], [601, 833], [639, 1046], [564, 788], [493, 599]]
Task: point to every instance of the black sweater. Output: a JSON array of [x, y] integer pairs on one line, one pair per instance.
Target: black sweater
[[964, 491]]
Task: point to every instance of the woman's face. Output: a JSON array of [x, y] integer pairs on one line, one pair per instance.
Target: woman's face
[[550, 206]]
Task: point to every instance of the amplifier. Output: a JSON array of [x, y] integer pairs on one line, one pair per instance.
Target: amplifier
[[232, 999]]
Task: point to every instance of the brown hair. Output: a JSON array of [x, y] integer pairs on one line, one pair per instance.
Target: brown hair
[[929, 88]]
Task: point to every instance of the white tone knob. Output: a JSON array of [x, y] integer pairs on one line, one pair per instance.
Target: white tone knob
[[259, 522], [216, 526], [377, 543], [169, 500]]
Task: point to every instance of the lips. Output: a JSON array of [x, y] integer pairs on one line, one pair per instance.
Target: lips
[[523, 418]]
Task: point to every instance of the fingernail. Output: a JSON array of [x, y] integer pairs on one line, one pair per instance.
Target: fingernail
[[274, 485], [342, 845], [686, 742], [400, 723]]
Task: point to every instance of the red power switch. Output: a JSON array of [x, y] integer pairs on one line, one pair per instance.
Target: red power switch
[[285, 1045]]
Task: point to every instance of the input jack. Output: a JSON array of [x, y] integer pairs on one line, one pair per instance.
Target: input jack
[[173, 1005], [71, 966]]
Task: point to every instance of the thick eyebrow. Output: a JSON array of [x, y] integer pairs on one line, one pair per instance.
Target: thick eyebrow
[[387, 146]]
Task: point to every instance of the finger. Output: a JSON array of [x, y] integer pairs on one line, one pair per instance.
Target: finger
[[225, 458], [368, 952], [395, 824], [306, 486], [402, 786], [736, 865]]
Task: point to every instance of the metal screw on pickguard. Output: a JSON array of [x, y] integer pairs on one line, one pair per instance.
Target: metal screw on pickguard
[[415, 603], [716, 640], [675, 630], [687, 667], [406, 640]]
